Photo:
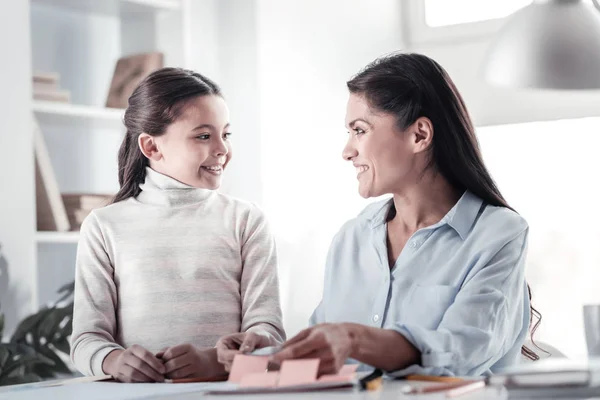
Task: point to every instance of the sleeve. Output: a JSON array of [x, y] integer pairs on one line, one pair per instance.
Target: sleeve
[[261, 309], [488, 317], [95, 299]]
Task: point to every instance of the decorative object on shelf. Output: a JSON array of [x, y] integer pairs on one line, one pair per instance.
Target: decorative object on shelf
[[79, 206], [41, 341], [552, 44], [51, 212], [129, 72], [46, 87]]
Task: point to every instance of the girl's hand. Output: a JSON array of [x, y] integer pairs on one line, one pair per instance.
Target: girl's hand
[[135, 364], [239, 343], [188, 361], [331, 343]]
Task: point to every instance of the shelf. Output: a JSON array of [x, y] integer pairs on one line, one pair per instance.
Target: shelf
[[79, 111], [57, 237], [113, 6]]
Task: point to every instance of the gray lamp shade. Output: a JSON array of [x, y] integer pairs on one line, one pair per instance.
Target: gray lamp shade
[[551, 44]]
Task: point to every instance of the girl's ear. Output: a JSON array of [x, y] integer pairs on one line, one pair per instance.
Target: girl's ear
[[148, 147]]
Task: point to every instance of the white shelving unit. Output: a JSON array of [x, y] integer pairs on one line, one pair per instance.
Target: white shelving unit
[[57, 237], [65, 110], [82, 40]]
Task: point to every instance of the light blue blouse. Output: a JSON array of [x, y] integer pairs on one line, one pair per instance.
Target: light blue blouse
[[457, 291]]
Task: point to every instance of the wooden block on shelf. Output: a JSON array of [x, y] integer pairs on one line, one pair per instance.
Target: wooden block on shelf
[[51, 212], [52, 95], [46, 77], [45, 86], [129, 72], [86, 201]]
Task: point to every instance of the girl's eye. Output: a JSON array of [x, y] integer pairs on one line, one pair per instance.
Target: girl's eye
[[203, 137], [358, 131], [227, 135]]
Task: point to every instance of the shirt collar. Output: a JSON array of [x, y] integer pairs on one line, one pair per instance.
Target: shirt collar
[[461, 216], [162, 190]]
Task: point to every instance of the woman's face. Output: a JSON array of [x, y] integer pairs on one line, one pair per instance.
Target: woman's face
[[386, 159]]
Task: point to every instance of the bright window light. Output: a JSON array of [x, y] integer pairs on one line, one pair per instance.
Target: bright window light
[[443, 12]]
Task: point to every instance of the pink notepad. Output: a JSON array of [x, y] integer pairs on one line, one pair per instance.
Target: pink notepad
[[244, 365], [261, 379], [298, 372]]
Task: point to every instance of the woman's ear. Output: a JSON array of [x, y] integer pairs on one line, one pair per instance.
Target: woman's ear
[[422, 134], [149, 147]]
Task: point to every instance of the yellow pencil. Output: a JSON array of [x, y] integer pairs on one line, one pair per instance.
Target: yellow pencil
[[428, 378]]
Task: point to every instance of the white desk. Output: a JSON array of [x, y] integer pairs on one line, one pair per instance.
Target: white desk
[[391, 390]]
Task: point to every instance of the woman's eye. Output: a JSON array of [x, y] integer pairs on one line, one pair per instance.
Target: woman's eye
[[227, 135], [203, 137], [358, 131]]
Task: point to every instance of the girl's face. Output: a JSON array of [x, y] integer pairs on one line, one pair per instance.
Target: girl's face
[[195, 149]]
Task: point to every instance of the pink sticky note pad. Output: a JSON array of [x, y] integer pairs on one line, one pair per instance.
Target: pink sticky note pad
[[336, 378], [298, 372], [244, 365], [348, 369], [261, 379]]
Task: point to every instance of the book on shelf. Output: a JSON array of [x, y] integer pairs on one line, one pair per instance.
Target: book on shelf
[[80, 205], [58, 95], [50, 209], [46, 77], [129, 72], [46, 86]]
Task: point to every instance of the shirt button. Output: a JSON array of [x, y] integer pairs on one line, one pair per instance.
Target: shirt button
[[375, 318]]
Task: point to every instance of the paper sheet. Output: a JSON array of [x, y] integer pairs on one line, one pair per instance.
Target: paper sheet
[[109, 390]]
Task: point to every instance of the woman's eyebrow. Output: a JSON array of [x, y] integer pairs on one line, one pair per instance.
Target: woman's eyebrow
[[358, 120]]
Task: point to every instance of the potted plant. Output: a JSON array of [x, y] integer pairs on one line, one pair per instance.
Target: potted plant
[[34, 351]]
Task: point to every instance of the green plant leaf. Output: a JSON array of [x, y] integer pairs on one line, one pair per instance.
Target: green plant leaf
[[50, 324], [66, 291], [15, 380], [68, 288], [63, 345], [4, 356], [28, 325], [58, 365], [26, 363]]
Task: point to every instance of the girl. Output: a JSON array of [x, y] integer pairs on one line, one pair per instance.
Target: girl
[[172, 265]]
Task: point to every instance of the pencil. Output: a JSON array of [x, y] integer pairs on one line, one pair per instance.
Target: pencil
[[195, 380], [451, 389], [429, 378]]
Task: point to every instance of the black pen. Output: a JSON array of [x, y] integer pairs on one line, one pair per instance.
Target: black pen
[[372, 381]]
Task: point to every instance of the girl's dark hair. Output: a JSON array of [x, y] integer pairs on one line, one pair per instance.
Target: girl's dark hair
[[154, 105], [410, 86]]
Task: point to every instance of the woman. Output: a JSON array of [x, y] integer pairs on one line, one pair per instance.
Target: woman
[[432, 280]]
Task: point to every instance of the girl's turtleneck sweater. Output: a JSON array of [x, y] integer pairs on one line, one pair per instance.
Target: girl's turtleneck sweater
[[174, 265]]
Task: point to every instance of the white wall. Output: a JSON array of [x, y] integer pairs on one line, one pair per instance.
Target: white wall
[[16, 194], [307, 52], [224, 48]]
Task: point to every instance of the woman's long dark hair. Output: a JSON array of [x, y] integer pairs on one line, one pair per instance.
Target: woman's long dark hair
[[410, 86], [154, 105]]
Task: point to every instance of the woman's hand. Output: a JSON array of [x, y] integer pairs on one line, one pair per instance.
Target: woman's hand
[[239, 343], [135, 364], [331, 343], [188, 361]]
